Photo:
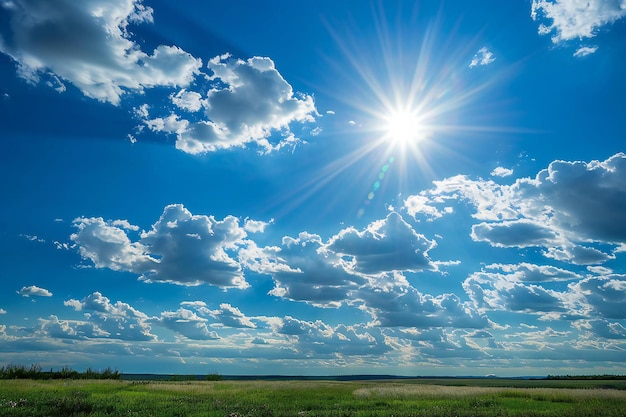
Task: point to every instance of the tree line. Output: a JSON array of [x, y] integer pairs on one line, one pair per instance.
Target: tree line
[[37, 372], [587, 377]]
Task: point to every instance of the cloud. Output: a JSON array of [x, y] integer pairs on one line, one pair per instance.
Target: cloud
[[70, 329], [602, 328], [394, 305], [384, 246], [247, 102], [585, 50], [33, 238], [3, 311], [569, 209], [501, 172], [104, 319], [34, 291], [180, 248], [573, 19], [318, 338], [186, 323], [520, 233], [491, 291], [256, 226], [483, 57], [605, 295], [303, 270], [231, 317], [418, 204], [526, 272], [89, 44], [187, 100]]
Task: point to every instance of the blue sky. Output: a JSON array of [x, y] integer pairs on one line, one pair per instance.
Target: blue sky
[[313, 187]]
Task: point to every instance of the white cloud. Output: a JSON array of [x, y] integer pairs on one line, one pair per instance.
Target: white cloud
[[247, 102], [186, 323], [585, 50], [420, 204], [34, 291], [569, 209], [385, 245], [180, 248], [483, 57], [318, 338], [526, 272], [3, 311], [303, 270], [187, 100], [399, 304], [88, 44], [605, 295], [256, 226], [491, 291], [70, 329], [501, 172], [573, 19], [104, 319], [231, 317], [518, 233], [316, 131], [602, 328], [33, 238]]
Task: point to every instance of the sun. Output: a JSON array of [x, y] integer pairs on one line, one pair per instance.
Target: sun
[[403, 127]]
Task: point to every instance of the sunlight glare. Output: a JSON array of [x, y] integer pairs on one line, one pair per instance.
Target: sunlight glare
[[402, 127]]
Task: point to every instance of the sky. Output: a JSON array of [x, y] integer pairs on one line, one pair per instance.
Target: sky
[[313, 187]]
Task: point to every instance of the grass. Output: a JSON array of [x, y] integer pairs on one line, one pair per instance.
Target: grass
[[299, 399]]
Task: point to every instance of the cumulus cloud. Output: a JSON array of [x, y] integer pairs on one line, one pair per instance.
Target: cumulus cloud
[[231, 316], [567, 209], [501, 172], [483, 57], [398, 304], [605, 295], [34, 291], [180, 248], [105, 319], [70, 329], [186, 323], [602, 328], [328, 273], [573, 19], [187, 100], [303, 270], [318, 338], [89, 44], [248, 101], [385, 245], [491, 291]]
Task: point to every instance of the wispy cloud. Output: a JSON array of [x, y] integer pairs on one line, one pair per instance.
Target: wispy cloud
[[483, 57], [585, 50]]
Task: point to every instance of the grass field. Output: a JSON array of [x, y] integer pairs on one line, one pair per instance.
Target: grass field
[[309, 398]]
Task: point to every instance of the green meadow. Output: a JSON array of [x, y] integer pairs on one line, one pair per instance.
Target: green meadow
[[25, 397]]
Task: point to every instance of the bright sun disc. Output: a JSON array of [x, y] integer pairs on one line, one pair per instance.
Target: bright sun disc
[[403, 127]]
